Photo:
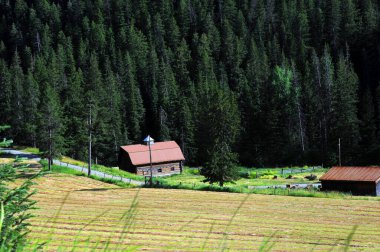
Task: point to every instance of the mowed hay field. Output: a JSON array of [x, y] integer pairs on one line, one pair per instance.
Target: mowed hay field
[[90, 215]]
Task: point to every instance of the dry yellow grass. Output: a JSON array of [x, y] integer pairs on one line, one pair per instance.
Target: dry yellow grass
[[87, 214], [72, 161], [6, 160]]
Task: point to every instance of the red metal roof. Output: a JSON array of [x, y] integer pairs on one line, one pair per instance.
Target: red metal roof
[[353, 173], [162, 152]]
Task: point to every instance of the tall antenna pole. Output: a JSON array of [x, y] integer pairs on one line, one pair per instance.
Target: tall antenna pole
[[50, 149], [89, 142], [340, 157], [150, 160]]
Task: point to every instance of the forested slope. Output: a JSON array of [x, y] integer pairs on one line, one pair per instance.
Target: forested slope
[[277, 82]]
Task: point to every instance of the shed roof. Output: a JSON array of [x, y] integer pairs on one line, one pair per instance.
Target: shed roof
[[162, 152], [353, 173]]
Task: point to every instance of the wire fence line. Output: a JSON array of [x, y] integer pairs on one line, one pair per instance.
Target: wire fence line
[[98, 173]]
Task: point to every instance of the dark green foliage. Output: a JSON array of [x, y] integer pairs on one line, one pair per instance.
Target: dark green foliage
[[147, 67], [14, 205], [344, 120], [5, 142], [221, 167], [51, 124], [220, 126]]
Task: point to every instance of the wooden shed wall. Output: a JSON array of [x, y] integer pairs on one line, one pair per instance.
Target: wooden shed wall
[[125, 163], [160, 169], [378, 189], [354, 187]]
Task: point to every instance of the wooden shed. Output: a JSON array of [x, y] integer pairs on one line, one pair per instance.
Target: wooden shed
[[167, 158], [357, 180]]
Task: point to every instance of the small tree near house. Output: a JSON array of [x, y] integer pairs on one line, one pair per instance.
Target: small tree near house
[[222, 166]]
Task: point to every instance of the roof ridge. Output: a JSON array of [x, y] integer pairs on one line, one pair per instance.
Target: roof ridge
[[155, 150], [353, 173]]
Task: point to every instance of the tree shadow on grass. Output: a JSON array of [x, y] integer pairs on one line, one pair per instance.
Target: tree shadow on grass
[[100, 189]]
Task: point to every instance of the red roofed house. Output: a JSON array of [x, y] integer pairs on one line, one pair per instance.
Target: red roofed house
[[167, 158], [357, 180]]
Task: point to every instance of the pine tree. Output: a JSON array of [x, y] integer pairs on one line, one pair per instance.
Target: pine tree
[[15, 203], [113, 135], [345, 123], [6, 93], [162, 60], [75, 116], [220, 133], [50, 125], [332, 23], [350, 17], [31, 102], [326, 83], [17, 94], [281, 115], [368, 141], [134, 104]]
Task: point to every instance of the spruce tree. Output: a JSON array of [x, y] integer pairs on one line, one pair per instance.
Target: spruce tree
[[134, 105], [344, 120], [75, 116], [51, 129], [15, 203], [6, 93], [221, 132], [31, 101], [17, 94]]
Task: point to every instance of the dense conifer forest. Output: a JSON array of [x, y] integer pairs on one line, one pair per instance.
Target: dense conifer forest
[[262, 81]]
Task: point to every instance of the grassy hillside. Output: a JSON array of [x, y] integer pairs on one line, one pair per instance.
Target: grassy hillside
[[87, 214]]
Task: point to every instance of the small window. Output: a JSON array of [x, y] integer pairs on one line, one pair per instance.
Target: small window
[[159, 170], [172, 169]]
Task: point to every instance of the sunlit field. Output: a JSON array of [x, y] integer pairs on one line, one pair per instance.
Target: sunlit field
[[85, 214]]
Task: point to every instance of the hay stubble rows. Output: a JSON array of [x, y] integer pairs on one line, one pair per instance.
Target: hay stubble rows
[[84, 213]]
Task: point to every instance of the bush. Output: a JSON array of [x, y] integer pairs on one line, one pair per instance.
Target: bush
[[245, 174], [311, 177], [254, 175], [192, 171]]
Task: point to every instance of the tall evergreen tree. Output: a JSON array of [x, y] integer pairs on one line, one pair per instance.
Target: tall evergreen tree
[[6, 93], [221, 132], [17, 81], [345, 123], [134, 105], [31, 100], [160, 62], [50, 125]]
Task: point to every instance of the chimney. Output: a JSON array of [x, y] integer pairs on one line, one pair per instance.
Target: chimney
[[148, 140]]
